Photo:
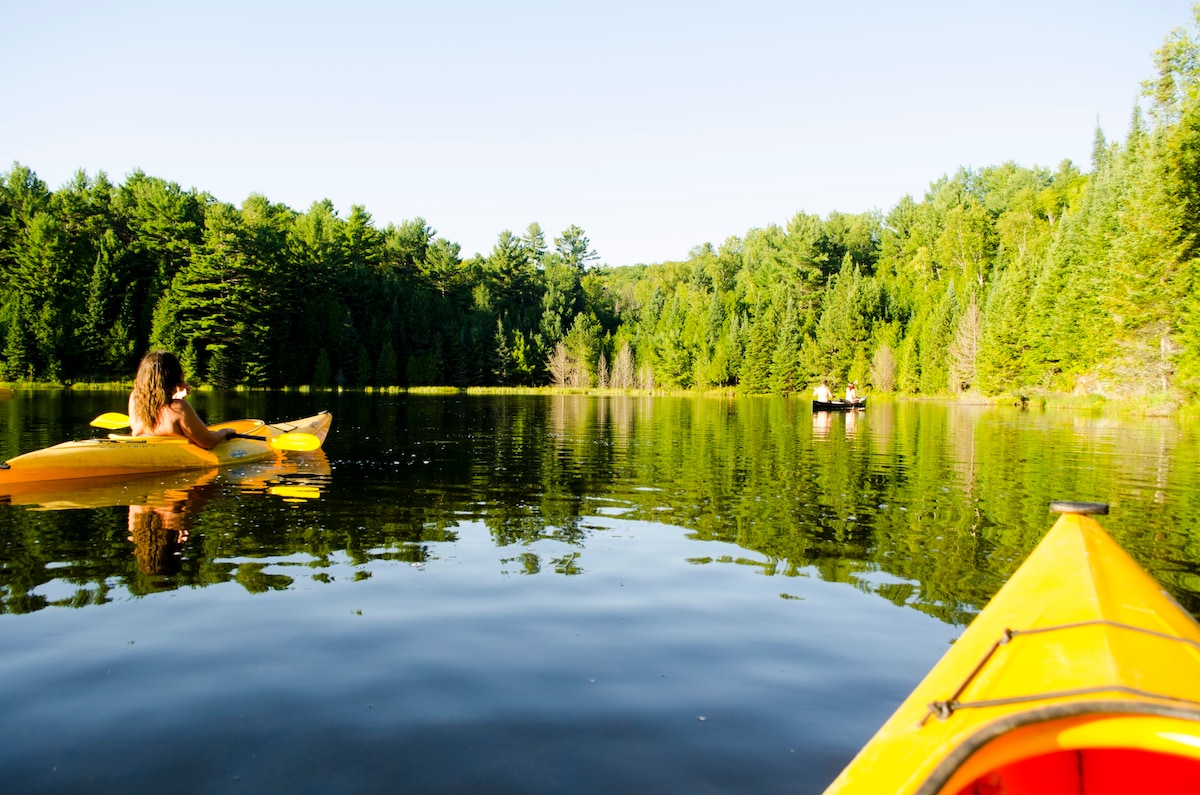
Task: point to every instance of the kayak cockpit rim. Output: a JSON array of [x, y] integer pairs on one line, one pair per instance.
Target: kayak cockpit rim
[[942, 775]]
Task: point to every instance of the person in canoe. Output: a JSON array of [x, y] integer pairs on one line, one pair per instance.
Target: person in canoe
[[823, 393], [158, 404], [851, 392]]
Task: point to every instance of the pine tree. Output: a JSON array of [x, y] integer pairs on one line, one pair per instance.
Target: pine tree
[[387, 372], [362, 373], [322, 375], [787, 373], [1000, 362], [583, 345], [48, 286], [852, 305], [1182, 158], [674, 353], [218, 296], [909, 376], [936, 334], [1144, 277], [756, 366]]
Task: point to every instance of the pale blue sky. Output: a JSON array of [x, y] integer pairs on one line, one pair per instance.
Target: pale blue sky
[[654, 126]]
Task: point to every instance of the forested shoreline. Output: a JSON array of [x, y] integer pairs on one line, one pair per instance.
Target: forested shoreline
[[1005, 280]]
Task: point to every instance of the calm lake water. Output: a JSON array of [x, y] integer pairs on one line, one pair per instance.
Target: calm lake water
[[533, 594]]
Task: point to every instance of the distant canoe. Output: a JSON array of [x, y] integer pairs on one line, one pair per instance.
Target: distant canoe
[[840, 405]]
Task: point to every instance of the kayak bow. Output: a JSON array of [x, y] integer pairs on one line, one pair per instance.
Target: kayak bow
[[1081, 675]]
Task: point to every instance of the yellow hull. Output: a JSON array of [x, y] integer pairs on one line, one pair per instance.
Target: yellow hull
[[1081, 675], [297, 474], [117, 456]]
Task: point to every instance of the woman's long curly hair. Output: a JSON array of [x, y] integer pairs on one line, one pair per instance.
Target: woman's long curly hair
[[158, 376]]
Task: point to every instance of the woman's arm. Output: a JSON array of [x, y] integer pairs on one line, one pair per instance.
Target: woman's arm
[[189, 424]]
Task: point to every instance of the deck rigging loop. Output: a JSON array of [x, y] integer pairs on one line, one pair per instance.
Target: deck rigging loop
[[947, 707]]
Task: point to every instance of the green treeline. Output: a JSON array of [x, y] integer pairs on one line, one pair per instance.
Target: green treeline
[[1003, 280]]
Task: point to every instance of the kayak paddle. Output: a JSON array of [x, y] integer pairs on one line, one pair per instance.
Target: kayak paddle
[[294, 440], [112, 421]]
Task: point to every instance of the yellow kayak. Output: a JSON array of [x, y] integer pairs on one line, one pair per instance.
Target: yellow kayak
[[1082, 675], [126, 456], [295, 476]]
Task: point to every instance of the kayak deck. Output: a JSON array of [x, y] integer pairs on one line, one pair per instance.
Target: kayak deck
[[120, 456], [1081, 675]]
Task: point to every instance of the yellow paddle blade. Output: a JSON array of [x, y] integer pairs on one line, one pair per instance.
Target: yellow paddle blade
[[112, 421], [296, 493], [296, 441]]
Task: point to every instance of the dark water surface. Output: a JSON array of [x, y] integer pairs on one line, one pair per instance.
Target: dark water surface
[[533, 594]]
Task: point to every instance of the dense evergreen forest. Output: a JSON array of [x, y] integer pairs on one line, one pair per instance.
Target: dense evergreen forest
[[1005, 280]]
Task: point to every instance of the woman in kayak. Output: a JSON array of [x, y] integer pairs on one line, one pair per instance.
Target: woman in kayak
[[157, 405]]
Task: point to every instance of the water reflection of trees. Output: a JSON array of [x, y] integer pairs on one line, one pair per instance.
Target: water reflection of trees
[[925, 505], [80, 541]]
